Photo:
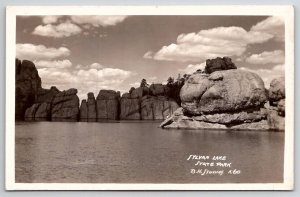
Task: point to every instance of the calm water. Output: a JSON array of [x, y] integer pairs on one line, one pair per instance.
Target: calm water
[[139, 152]]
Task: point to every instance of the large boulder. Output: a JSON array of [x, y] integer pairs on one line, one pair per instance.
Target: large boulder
[[277, 90], [157, 108], [27, 83], [91, 107], [108, 105], [130, 109], [222, 91], [218, 63], [65, 106]]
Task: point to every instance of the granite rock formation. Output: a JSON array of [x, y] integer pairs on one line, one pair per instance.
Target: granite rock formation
[[130, 108], [83, 111], [65, 106], [138, 92], [91, 107], [218, 63], [46, 95], [222, 91], [108, 105], [88, 109], [145, 103], [228, 99], [277, 90], [159, 90], [28, 83], [157, 108]]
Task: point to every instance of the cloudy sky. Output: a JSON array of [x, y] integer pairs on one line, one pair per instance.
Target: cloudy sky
[[115, 52]]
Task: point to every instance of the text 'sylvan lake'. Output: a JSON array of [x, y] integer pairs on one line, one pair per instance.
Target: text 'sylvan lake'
[[140, 152]]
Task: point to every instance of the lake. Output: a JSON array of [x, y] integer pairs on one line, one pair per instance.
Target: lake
[[140, 152]]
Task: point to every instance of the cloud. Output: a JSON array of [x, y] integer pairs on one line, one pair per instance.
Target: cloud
[[135, 84], [191, 68], [272, 25], [90, 80], [267, 57], [50, 19], [97, 21], [53, 64], [148, 55], [40, 52], [210, 43], [57, 31], [268, 74], [96, 66]]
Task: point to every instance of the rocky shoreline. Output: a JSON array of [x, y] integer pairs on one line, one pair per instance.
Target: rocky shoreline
[[34, 103], [223, 97], [220, 97]]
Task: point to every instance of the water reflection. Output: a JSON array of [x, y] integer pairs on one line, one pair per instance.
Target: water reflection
[[135, 152]]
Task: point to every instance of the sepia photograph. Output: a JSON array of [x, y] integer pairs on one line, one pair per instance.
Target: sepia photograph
[[150, 98]]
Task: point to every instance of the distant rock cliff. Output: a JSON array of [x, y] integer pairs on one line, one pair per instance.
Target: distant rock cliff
[[28, 83], [65, 106], [36, 103]]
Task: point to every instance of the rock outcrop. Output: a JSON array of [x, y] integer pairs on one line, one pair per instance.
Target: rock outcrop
[[228, 99], [218, 63], [91, 107], [222, 91], [28, 83], [145, 103], [108, 105], [277, 90], [130, 108], [138, 92], [39, 111], [157, 108], [46, 95], [159, 90], [65, 106], [83, 114]]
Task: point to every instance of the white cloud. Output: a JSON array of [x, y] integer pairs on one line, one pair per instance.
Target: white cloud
[[152, 79], [266, 57], [268, 74], [148, 55], [96, 66], [211, 43], [97, 21], [191, 68], [135, 84], [57, 31], [40, 52], [91, 80], [53, 64], [272, 25], [50, 19]]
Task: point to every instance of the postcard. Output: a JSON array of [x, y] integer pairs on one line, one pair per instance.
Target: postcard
[[150, 98]]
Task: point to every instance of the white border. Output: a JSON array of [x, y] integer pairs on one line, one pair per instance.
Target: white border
[[12, 11]]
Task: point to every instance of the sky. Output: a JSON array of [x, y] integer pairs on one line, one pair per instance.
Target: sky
[[97, 52]]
